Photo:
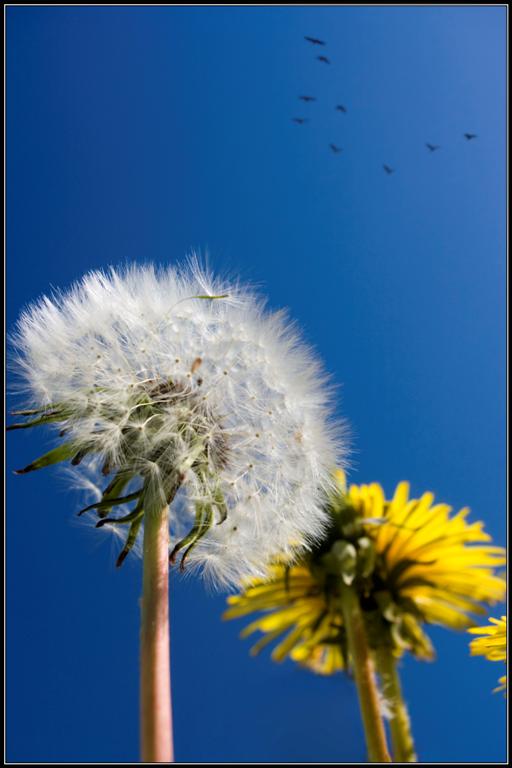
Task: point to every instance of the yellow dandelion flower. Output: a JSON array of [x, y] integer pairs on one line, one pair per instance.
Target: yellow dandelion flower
[[411, 561], [492, 644], [296, 606], [438, 561]]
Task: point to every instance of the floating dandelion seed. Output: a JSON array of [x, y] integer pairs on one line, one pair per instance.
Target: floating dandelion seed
[[170, 385]]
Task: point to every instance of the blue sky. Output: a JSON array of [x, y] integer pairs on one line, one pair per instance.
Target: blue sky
[[137, 134]]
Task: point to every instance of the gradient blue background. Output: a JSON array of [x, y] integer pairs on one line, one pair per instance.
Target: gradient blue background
[[140, 133]]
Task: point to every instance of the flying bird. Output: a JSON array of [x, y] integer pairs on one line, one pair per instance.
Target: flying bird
[[341, 108], [324, 59], [470, 136], [299, 120], [307, 98], [388, 169], [432, 147], [314, 40], [335, 149]]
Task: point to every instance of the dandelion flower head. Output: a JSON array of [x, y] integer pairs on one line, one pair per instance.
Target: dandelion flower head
[[411, 561], [430, 560], [172, 385]]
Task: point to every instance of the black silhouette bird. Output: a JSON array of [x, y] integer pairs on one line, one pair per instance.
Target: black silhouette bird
[[388, 169], [470, 136], [432, 147], [314, 40], [335, 149], [324, 59], [307, 98], [341, 108], [299, 120]]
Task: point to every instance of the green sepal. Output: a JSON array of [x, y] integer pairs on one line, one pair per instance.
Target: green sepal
[[387, 606], [130, 539], [32, 411], [61, 453], [218, 500], [114, 489], [79, 455], [130, 517], [408, 634], [204, 527], [202, 524], [366, 557], [48, 419], [349, 522], [341, 560], [106, 504]]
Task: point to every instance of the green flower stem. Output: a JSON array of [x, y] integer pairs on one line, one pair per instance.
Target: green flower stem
[[399, 724], [155, 674], [359, 653]]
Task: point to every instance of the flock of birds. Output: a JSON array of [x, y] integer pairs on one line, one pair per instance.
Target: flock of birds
[[342, 108]]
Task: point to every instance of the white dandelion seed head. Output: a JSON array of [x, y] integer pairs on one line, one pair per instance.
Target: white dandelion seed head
[[215, 396]]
